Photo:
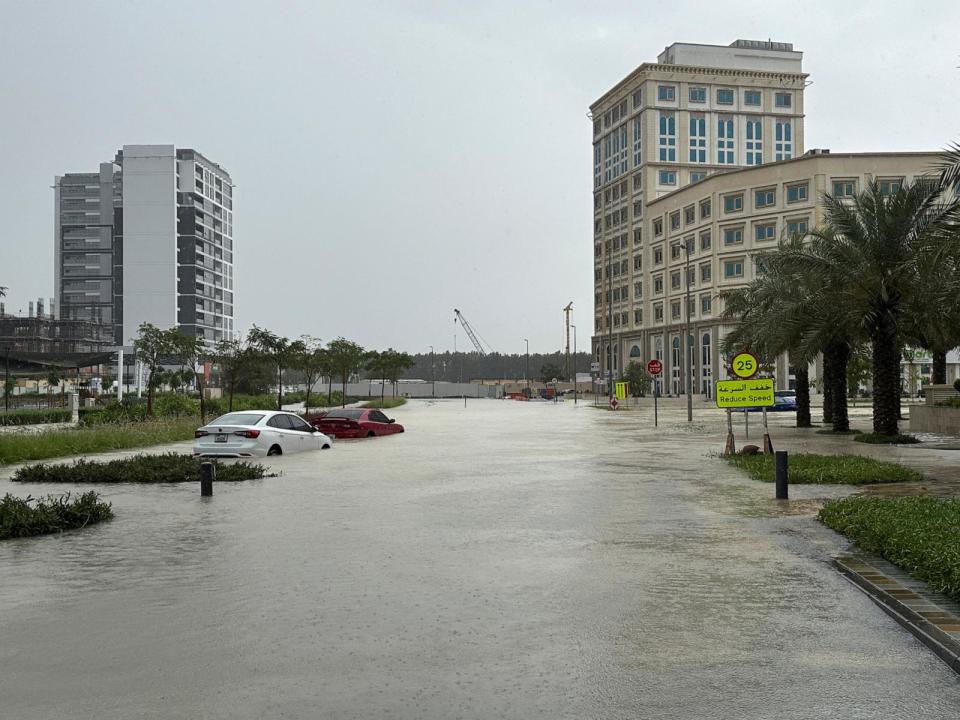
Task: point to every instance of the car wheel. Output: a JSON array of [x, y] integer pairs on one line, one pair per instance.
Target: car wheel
[[274, 450], [370, 433], [325, 447]]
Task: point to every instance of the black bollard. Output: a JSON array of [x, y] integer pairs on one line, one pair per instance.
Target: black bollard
[[208, 474], [781, 474]]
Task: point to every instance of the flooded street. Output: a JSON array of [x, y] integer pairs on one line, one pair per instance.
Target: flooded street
[[507, 560]]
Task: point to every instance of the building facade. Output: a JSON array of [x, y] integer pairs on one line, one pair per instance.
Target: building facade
[[147, 238]]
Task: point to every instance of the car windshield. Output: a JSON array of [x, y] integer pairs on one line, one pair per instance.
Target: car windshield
[[238, 418], [352, 414]]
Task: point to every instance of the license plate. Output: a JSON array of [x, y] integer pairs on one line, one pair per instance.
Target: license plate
[[221, 438]]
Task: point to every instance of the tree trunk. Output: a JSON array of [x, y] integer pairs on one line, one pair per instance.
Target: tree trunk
[[828, 371], [279, 387], [230, 386], [383, 388], [203, 406], [886, 377], [939, 372], [306, 399], [840, 352], [329, 389], [803, 396], [343, 395]]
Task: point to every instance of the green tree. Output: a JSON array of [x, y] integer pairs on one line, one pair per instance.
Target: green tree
[[346, 357], [231, 359], [375, 366], [310, 358], [394, 364], [872, 251], [549, 371], [151, 346], [638, 378], [192, 353], [859, 368], [274, 349]]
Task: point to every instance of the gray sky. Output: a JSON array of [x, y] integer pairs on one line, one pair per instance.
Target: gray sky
[[397, 160]]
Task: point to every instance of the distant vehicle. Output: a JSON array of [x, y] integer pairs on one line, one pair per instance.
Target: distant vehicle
[[356, 423], [783, 401], [258, 433]]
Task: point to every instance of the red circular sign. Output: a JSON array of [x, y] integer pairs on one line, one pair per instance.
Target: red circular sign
[[654, 367]]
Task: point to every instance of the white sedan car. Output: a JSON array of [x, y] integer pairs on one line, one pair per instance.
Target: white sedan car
[[257, 433]]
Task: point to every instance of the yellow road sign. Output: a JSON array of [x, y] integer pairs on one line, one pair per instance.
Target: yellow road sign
[[744, 365], [621, 390], [745, 393]]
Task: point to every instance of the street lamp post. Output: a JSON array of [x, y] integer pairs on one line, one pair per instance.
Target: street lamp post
[[576, 387], [688, 361]]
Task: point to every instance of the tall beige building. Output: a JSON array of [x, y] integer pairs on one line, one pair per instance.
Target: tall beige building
[[697, 111]]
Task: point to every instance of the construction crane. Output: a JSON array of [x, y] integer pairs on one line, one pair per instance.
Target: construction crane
[[471, 333], [566, 314]]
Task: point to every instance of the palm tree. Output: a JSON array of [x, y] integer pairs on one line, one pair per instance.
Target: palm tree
[[949, 166], [869, 254]]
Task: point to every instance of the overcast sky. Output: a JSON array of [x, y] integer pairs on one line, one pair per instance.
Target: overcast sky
[[396, 160]]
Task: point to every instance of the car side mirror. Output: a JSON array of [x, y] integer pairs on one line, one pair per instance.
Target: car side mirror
[[391, 420]]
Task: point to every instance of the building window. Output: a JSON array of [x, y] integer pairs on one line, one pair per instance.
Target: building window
[[675, 278], [765, 198], [689, 215], [637, 145], [706, 307], [658, 285], [658, 312], [675, 309], [724, 96], [696, 177], [637, 99], [844, 188], [637, 210], [797, 192], [638, 317], [733, 203], [691, 277], [638, 290], [667, 177], [890, 186], [704, 209], [638, 236], [698, 138], [658, 227], [783, 100], [733, 236], [732, 269], [706, 272], [675, 220], [752, 98], [754, 142], [725, 140], [697, 95], [658, 256], [797, 226], [705, 240], [674, 251], [783, 149], [637, 182], [765, 231], [667, 93], [637, 262], [668, 137]]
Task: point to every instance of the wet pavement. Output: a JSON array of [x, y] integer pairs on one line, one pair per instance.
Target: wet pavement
[[507, 560]]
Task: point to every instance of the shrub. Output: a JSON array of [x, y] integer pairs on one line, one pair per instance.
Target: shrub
[[174, 405], [805, 468], [386, 403], [34, 416], [919, 534], [956, 384], [24, 517], [875, 439], [165, 468]]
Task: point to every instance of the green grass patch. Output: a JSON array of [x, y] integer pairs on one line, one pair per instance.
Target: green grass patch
[[807, 468], [386, 403], [33, 416], [25, 517], [164, 468], [24, 447], [919, 534], [875, 439]]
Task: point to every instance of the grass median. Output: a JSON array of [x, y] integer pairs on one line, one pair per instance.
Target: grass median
[[919, 534], [163, 468], [25, 517], [385, 404], [26, 446], [808, 468]]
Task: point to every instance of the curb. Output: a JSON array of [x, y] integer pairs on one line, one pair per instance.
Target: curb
[[884, 591]]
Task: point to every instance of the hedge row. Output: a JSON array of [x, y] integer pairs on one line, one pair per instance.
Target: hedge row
[[809, 468], [24, 517], [165, 468], [34, 416], [919, 534]]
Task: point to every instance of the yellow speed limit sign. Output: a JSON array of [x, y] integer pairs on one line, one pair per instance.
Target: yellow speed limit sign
[[744, 365]]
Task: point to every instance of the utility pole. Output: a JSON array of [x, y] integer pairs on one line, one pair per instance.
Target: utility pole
[[610, 325], [433, 382], [576, 387], [566, 362], [526, 370], [688, 361]]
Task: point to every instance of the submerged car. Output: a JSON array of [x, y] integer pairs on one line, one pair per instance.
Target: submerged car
[[783, 401], [356, 423], [257, 433]]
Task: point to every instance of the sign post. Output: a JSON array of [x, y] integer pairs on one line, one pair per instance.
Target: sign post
[[655, 367], [744, 394]]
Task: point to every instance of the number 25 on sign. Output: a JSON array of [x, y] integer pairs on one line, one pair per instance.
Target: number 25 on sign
[[744, 365]]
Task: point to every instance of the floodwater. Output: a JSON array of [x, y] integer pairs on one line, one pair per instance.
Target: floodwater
[[507, 560]]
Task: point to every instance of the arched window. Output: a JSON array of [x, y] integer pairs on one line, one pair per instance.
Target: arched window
[[635, 351]]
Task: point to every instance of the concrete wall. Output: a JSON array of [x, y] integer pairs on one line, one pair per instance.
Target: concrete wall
[[413, 390], [939, 420], [149, 237]]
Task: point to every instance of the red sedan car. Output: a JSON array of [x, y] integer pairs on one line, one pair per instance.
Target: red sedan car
[[355, 423]]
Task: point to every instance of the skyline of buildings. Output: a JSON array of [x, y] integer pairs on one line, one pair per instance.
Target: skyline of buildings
[[147, 238]]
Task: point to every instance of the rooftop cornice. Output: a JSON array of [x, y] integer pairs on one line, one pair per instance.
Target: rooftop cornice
[[649, 68]]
